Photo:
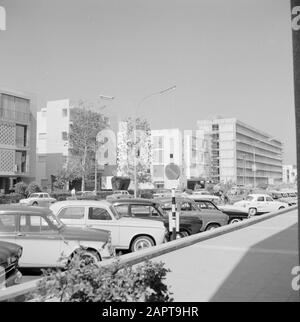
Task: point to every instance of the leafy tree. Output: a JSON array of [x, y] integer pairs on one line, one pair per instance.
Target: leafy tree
[[82, 138], [128, 144], [32, 188], [20, 188]]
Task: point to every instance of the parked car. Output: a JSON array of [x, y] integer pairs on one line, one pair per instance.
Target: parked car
[[10, 254], [127, 233], [41, 199], [45, 238], [149, 209], [235, 213], [204, 195], [119, 194], [256, 204], [211, 218]]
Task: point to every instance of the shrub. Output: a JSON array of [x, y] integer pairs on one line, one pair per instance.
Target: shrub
[[60, 196], [10, 198], [33, 187], [20, 188], [87, 282]]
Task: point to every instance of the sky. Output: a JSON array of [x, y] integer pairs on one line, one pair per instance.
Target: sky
[[228, 58]]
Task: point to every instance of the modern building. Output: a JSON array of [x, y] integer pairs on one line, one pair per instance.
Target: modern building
[[242, 154], [17, 139], [53, 124], [289, 174]]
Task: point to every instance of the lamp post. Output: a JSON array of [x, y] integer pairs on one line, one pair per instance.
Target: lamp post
[[96, 143], [134, 130]]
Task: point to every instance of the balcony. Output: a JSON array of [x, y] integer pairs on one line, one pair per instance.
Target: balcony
[[15, 116]]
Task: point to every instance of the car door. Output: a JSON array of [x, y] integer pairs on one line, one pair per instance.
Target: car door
[[101, 218], [40, 241], [270, 204], [261, 204], [73, 215], [8, 227]]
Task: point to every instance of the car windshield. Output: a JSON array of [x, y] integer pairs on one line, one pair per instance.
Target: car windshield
[[34, 195], [249, 198], [55, 221]]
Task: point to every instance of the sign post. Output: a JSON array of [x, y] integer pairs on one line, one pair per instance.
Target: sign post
[[173, 218], [295, 16]]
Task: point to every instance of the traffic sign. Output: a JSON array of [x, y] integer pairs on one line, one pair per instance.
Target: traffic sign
[[172, 171]]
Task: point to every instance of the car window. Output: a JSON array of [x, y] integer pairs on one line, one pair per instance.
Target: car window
[[250, 198], [71, 213], [33, 224], [269, 199], [41, 196], [34, 195], [260, 198], [206, 205], [46, 195], [122, 210], [143, 211], [99, 214], [8, 223]]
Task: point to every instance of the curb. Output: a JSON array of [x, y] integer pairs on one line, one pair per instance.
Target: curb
[[134, 258]]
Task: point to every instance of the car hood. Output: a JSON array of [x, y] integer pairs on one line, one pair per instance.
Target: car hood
[[87, 234], [7, 250], [138, 222]]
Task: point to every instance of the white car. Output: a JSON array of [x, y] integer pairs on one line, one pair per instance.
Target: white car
[[256, 204], [204, 195], [126, 233], [41, 199]]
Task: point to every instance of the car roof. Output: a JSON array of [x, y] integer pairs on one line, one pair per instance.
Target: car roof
[[133, 200], [24, 210], [259, 195], [82, 203], [181, 199]]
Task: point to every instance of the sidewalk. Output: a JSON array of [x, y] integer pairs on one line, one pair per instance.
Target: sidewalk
[[251, 264]]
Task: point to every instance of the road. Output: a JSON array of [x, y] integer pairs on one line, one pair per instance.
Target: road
[[251, 264]]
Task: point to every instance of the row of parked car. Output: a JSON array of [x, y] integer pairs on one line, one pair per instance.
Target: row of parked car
[[44, 234]]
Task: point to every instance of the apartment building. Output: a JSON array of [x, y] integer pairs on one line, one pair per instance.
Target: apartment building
[[242, 154], [17, 139], [53, 124]]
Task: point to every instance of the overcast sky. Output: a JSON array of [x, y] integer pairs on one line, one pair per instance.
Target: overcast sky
[[231, 58]]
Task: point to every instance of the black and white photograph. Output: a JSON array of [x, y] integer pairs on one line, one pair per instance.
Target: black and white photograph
[[148, 154]]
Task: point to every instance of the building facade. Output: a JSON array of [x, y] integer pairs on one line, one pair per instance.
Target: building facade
[[53, 126], [17, 139], [289, 174], [242, 154]]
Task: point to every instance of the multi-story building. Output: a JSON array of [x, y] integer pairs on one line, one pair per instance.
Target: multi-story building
[[242, 154], [17, 139], [53, 124], [289, 173]]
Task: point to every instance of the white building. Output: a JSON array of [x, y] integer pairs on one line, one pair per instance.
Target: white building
[[53, 124], [242, 154], [289, 173]]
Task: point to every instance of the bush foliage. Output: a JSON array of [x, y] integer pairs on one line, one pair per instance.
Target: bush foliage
[[88, 282], [10, 198], [32, 188]]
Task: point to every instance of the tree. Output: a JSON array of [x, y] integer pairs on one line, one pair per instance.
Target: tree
[[82, 138], [20, 188], [32, 188], [128, 144]]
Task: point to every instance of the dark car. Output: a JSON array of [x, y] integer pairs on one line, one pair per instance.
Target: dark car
[[9, 263], [150, 209], [211, 217]]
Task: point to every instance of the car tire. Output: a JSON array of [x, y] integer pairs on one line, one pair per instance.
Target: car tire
[[281, 207], [35, 203], [234, 220], [90, 255], [141, 242], [252, 212], [184, 233], [212, 227]]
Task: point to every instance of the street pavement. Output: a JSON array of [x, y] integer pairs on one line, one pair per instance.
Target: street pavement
[[250, 264]]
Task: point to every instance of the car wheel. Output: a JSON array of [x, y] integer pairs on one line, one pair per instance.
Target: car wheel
[[35, 203], [184, 233], [141, 242], [90, 256], [212, 226], [252, 212], [234, 220], [280, 208]]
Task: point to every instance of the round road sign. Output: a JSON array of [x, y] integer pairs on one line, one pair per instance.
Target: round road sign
[[172, 171]]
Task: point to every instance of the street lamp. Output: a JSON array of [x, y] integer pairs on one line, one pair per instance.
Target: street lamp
[[134, 129], [96, 145]]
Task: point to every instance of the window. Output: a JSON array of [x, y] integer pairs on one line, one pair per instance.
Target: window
[[21, 135], [7, 223], [64, 112], [122, 210], [20, 161], [143, 211], [99, 214], [64, 136], [33, 224], [206, 205], [186, 206], [260, 199], [71, 213], [42, 136], [269, 199]]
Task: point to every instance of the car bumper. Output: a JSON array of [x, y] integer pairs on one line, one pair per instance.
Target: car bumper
[[13, 278]]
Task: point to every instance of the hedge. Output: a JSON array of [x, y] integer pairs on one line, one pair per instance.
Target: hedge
[[10, 198]]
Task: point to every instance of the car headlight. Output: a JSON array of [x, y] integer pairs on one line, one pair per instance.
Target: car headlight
[[20, 252]]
